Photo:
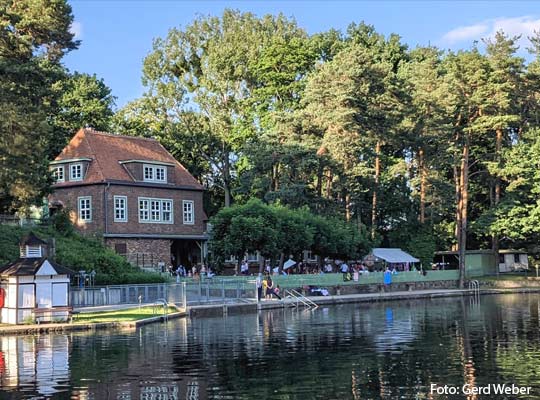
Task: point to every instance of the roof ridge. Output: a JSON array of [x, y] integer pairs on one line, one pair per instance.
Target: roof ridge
[[117, 135], [95, 157]]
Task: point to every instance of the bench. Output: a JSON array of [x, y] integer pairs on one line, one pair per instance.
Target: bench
[[42, 312]]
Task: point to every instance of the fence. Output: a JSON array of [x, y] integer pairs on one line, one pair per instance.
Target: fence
[[128, 294], [336, 279], [189, 292], [230, 289]]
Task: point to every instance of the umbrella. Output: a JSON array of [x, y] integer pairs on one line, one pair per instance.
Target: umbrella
[[289, 263]]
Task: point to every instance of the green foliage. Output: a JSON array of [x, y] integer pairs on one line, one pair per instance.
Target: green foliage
[[82, 100], [61, 223], [274, 230], [77, 253], [34, 35]]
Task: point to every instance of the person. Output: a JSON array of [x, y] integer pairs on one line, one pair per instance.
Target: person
[[328, 268], [244, 268], [264, 288], [270, 290], [259, 284], [387, 277], [178, 275], [345, 270], [203, 269]]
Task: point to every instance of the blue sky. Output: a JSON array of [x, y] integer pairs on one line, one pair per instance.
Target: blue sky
[[117, 35]]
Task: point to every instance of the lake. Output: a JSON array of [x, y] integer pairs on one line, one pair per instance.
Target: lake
[[358, 351]]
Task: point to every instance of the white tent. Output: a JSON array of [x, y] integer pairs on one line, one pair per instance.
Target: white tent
[[393, 255], [289, 263]]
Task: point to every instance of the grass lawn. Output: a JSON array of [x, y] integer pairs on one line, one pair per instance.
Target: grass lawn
[[131, 314]]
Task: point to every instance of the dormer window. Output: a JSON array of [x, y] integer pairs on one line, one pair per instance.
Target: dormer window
[[154, 173], [58, 173], [76, 172]]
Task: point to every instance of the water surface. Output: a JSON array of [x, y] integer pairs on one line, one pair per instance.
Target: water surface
[[359, 351]]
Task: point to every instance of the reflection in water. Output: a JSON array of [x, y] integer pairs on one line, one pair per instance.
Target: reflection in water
[[386, 350]]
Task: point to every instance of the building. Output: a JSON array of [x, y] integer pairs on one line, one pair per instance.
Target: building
[[133, 193], [34, 287], [513, 260], [477, 262]]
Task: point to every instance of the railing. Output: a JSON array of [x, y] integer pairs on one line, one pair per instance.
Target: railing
[[220, 289], [128, 294], [7, 219], [336, 279], [188, 292], [300, 298]]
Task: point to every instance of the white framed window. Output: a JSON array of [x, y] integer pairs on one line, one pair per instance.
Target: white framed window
[[75, 172], [144, 210], [85, 208], [154, 173], [161, 174], [188, 212], [166, 211], [58, 173], [120, 209], [148, 173], [155, 210]]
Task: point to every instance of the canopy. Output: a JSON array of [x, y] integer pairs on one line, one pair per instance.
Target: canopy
[[394, 255], [289, 263]]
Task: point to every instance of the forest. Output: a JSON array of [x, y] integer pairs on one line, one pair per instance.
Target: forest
[[421, 148]]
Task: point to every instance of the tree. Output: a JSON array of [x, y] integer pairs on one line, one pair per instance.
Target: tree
[[502, 108], [34, 35], [468, 73], [354, 103], [82, 100], [211, 65]]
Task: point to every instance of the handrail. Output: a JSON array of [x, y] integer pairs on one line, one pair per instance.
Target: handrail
[[159, 303], [474, 285], [299, 297]]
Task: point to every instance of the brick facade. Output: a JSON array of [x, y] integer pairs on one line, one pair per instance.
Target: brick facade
[[112, 166], [155, 250]]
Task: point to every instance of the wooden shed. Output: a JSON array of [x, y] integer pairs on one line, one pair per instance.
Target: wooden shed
[[34, 288]]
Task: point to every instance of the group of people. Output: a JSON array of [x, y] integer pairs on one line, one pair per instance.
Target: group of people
[[266, 288], [193, 272]]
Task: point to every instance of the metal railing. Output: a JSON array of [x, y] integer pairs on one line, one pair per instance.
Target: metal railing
[[300, 298], [188, 292], [127, 294]]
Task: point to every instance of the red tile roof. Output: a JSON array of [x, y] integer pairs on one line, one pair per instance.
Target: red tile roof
[[107, 150]]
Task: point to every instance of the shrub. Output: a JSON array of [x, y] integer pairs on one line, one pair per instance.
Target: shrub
[[78, 253]]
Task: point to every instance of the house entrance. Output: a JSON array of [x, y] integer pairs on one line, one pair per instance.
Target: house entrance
[[187, 252]]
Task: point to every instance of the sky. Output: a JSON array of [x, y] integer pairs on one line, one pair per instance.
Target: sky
[[117, 35]]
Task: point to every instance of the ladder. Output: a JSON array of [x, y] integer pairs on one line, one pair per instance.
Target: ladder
[[301, 299]]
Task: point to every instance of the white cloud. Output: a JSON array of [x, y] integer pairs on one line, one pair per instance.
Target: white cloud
[[524, 26], [76, 29], [463, 33]]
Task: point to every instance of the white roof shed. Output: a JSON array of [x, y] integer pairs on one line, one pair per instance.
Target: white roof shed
[[394, 255]]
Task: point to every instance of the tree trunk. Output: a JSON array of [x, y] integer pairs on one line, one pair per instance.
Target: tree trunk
[[495, 237], [281, 262], [423, 182], [375, 188], [463, 203], [227, 179], [458, 207], [329, 177], [261, 264], [348, 206], [320, 171]]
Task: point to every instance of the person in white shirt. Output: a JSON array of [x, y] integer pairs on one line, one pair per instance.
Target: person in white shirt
[[244, 268]]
